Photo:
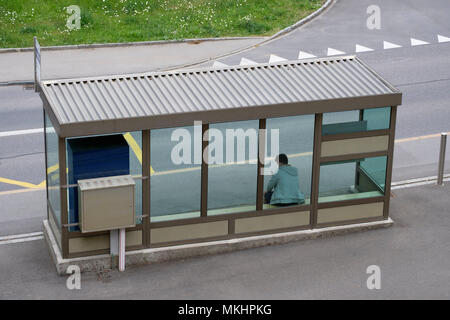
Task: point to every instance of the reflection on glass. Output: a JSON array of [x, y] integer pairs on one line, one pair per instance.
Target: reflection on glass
[[232, 172], [356, 121], [175, 183], [52, 170], [353, 179], [377, 118], [296, 139]]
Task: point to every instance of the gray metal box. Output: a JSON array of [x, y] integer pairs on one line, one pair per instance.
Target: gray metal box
[[106, 203]]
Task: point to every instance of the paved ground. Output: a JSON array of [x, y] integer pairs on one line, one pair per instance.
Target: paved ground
[[57, 64], [413, 255], [296, 270]]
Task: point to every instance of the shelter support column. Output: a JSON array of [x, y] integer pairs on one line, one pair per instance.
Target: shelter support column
[[146, 180], [63, 196], [390, 160], [261, 160], [204, 174], [316, 168]]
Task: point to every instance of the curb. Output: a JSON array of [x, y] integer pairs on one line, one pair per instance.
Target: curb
[[156, 42], [301, 22], [280, 33], [124, 44]]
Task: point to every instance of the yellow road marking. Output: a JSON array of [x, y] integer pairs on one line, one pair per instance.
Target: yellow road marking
[[131, 142], [136, 149], [3, 193], [138, 152], [18, 183], [429, 136]]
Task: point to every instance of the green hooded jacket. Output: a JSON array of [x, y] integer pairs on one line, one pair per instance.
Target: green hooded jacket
[[285, 186]]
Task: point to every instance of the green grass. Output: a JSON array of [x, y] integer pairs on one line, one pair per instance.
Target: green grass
[[106, 21]]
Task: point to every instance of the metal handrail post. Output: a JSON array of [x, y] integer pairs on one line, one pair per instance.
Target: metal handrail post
[[440, 177]]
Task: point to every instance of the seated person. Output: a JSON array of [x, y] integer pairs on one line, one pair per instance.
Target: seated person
[[283, 189]]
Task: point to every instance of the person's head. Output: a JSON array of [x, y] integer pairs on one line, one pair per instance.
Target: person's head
[[282, 159]]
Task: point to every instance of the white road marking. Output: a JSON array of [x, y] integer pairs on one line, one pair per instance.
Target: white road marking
[[417, 42], [305, 55], [21, 132], [390, 45], [247, 62], [18, 238], [275, 58], [417, 182], [443, 39], [334, 52], [359, 48], [218, 64]]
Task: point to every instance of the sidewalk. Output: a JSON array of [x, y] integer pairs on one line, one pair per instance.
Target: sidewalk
[[413, 255], [56, 64]]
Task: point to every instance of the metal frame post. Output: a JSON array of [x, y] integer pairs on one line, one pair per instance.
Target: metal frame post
[[440, 176]]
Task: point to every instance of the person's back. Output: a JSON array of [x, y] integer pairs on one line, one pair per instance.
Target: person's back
[[285, 185]]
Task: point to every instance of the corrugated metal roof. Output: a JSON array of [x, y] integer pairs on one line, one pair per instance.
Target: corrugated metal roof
[[113, 98]]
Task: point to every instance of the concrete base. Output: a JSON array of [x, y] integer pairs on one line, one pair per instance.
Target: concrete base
[[146, 256]]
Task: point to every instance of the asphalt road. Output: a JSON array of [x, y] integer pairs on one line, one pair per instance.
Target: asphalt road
[[413, 257], [421, 72]]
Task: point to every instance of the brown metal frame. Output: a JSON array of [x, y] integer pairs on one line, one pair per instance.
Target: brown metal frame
[[390, 161], [316, 168], [313, 207], [204, 172], [354, 156], [228, 216], [231, 218], [146, 185], [262, 134], [63, 196], [354, 135]]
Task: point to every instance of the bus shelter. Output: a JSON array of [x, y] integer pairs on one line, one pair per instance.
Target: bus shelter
[[165, 140]]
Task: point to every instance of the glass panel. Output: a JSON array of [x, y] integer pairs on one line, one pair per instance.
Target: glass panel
[[232, 171], [175, 184], [103, 156], [296, 140], [355, 179], [349, 121], [377, 118], [342, 122], [375, 170], [53, 170]]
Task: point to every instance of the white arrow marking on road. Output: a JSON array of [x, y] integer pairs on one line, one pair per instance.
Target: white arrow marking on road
[[416, 42], [275, 58], [305, 55], [334, 52], [247, 62], [218, 64], [390, 45], [360, 48], [443, 39]]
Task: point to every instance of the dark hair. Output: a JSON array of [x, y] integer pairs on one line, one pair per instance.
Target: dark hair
[[282, 158]]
